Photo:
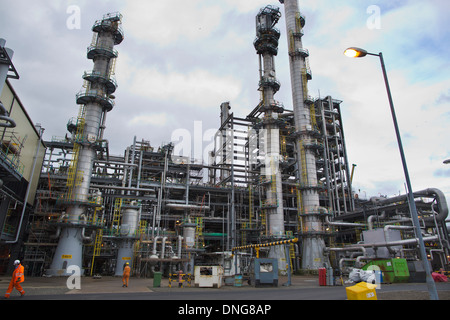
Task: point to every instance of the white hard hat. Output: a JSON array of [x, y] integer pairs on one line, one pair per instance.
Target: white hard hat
[[16, 262]]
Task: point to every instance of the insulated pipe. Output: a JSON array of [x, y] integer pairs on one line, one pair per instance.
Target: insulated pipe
[[186, 206], [382, 244], [441, 203], [349, 248], [342, 260], [155, 242], [116, 163], [83, 235], [386, 230], [58, 230], [430, 192], [372, 217], [163, 249], [343, 224], [397, 243], [5, 67], [4, 116], [386, 233], [358, 260], [121, 188], [180, 244]]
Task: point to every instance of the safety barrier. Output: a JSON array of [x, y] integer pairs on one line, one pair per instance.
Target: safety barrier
[[185, 278]]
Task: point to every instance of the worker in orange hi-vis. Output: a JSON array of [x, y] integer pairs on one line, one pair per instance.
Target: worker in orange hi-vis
[[126, 275], [17, 278]]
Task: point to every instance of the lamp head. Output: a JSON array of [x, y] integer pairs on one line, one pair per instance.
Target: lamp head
[[354, 52]]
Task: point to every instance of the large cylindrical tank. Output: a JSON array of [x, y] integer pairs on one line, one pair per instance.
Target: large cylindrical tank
[[130, 219], [189, 234]]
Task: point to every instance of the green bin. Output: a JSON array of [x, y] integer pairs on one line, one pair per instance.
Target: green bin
[[394, 270], [157, 279]]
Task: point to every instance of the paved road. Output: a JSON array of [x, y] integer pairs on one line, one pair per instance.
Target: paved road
[[302, 288], [394, 292], [268, 294]]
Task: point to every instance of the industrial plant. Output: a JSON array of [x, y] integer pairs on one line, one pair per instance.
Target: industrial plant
[[277, 188]]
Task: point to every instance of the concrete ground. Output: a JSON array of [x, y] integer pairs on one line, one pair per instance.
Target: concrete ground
[[39, 287]]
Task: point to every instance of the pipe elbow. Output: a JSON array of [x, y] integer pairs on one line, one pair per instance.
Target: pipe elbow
[[5, 117]]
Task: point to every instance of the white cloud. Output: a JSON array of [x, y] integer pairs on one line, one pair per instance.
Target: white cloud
[[154, 119], [165, 22], [413, 21], [247, 5], [198, 88]]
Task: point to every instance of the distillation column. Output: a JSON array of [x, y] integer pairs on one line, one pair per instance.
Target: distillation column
[[266, 45], [310, 215], [95, 102]]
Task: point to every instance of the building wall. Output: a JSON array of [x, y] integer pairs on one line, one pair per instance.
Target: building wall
[[24, 129]]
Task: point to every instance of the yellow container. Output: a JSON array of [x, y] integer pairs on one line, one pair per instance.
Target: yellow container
[[362, 291]]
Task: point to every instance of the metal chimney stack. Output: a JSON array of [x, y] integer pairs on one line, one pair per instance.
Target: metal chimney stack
[[95, 101], [303, 105]]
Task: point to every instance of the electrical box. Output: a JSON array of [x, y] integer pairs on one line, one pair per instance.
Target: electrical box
[[208, 276], [379, 236], [266, 271]]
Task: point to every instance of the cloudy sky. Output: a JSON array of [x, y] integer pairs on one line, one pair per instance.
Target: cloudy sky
[[181, 59]]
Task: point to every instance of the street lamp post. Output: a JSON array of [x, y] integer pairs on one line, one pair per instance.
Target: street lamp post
[[354, 52]]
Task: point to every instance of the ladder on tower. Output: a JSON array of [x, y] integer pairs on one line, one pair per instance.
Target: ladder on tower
[[290, 235], [264, 220], [250, 204], [304, 172], [283, 146], [273, 186], [199, 234], [74, 177], [116, 216], [244, 226], [300, 210], [305, 83], [291, 255], [298, 23], [97, 248], [312, 112], [291, 42], [112, 67]]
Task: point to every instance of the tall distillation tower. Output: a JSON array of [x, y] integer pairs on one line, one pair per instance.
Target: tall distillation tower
[[304, 113], [95, 102], [266, 45]]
